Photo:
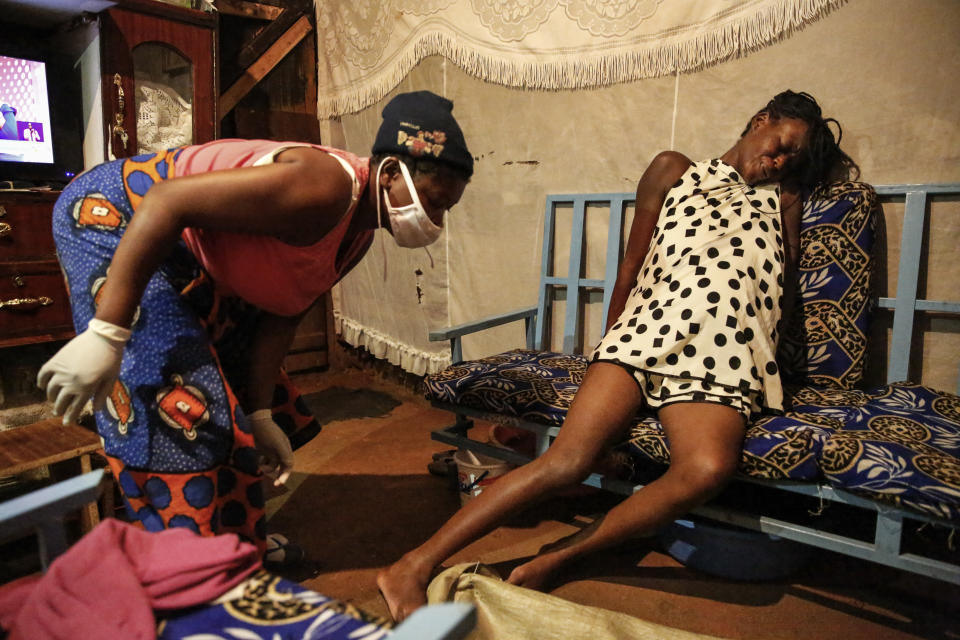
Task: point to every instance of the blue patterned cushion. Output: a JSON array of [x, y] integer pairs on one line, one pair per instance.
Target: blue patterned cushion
[[531, 385], [824, 343], [783, 447], [899, 443], [539, 386], [268, 606]]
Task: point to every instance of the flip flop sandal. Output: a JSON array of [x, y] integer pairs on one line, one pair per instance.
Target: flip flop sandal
[[440, 455], [443, 464], [281, 553]]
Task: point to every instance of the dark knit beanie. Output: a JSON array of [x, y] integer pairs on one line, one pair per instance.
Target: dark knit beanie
[[420, 124]]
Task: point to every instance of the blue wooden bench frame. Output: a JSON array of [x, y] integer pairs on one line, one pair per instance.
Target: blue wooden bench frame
[[889, 523], [43, 511]]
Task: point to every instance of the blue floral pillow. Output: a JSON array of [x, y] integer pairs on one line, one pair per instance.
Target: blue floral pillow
[[824, 343]]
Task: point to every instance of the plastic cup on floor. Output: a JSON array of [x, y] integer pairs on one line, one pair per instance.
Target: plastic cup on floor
[[476, 472]]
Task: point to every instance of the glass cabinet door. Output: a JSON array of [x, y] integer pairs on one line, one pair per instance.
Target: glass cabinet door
[[159, 78]]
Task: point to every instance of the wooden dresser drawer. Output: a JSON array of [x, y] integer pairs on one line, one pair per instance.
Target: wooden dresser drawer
[[25, 226], [34, 306]]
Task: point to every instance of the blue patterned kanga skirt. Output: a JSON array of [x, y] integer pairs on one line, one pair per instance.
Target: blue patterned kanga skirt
[[177, 440]]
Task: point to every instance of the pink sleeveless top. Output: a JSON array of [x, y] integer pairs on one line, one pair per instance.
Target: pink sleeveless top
[[266, 272]]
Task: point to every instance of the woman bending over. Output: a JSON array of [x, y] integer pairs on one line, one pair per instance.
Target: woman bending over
[[188, 271]]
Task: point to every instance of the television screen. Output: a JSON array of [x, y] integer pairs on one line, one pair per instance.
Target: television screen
[[27, 133]]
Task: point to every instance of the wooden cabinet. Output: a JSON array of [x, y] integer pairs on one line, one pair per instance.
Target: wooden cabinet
[[158, 77], [33, 299]]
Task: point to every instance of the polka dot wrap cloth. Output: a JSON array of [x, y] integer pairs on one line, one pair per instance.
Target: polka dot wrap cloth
[[701, 322]]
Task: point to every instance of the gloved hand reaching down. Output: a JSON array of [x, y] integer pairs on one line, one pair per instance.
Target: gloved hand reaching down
[[273, 445], [85, 367]]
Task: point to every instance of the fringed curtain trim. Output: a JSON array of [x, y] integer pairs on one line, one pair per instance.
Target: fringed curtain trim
[[386, 348], [555, 55]]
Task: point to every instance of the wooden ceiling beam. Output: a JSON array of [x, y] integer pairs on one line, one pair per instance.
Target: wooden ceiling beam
[[264, 64], [267, 36]]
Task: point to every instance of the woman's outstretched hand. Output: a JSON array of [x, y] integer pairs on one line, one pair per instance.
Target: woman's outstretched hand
[[273, 444], [85, 367]]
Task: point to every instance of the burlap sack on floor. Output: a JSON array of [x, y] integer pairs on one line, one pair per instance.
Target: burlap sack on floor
[[508, 612]]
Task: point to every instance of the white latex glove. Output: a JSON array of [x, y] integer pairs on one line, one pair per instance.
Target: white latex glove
[[273, 445], [86, 366]]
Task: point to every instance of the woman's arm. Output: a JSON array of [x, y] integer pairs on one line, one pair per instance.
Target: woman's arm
[[791, 211], [664, 171], [304, 194], [267, 351]]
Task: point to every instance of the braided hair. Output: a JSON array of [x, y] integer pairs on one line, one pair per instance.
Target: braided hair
[[824, 160]]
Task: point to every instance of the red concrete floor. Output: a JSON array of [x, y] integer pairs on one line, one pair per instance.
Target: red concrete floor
[[361, 496]]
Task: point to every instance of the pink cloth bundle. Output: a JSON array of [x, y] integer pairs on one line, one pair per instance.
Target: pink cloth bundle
[[109, 584]]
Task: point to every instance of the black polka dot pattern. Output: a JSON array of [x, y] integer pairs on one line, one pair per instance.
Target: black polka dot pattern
[[706, 304]]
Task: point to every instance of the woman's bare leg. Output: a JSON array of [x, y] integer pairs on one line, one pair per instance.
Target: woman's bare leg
[[602, 410], [705, 445]]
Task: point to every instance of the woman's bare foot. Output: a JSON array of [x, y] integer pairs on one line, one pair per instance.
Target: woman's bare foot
[[404, 587], [537, 573]]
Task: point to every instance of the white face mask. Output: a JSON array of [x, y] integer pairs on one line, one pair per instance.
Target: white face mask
[[411, 225]]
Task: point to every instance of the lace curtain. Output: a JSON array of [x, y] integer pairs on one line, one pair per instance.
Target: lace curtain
[[164, 119], [366, 47]]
